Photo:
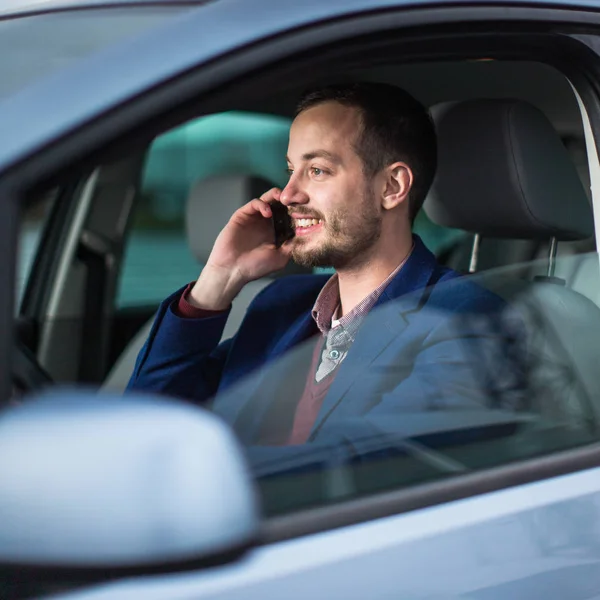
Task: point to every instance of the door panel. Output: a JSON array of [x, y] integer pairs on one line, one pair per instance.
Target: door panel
[[540, 540]]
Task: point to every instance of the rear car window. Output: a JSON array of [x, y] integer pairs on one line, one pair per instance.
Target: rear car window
[[158, 258]]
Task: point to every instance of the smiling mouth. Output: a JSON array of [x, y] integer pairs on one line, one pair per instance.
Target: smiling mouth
[[303, 226]]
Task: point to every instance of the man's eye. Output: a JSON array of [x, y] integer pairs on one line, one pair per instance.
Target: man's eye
[[317, 172], [289, 171]]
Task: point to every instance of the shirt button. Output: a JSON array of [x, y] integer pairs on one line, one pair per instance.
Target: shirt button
[[334, 354]]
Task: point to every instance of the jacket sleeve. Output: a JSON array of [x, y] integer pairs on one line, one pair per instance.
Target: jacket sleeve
[[182, 357]]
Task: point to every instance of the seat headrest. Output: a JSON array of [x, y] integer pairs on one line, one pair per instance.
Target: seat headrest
[[503, 171], [211, 202]]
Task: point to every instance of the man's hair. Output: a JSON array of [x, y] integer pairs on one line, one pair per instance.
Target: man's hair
[[394, 127]]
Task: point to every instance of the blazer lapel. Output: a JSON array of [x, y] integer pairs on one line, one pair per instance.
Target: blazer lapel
[[383, 325], [301, 329]]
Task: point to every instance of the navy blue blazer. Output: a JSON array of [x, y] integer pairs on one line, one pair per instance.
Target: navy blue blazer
[[437, 353]]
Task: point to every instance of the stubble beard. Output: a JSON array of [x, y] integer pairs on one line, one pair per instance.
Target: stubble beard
[[350, 235]]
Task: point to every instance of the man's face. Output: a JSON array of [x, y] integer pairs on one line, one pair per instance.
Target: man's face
[[333, 206]]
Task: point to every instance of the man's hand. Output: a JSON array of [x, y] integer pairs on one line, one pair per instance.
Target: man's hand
[[244, 251]]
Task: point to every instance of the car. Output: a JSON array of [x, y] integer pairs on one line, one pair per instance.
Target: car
[[130, 133]]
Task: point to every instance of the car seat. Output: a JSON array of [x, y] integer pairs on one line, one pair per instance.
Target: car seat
[[503, 172]]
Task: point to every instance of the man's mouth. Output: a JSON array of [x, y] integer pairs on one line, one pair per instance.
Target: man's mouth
[[305, 225]]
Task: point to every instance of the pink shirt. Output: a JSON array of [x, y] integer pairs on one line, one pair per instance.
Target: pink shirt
[[332, 347]]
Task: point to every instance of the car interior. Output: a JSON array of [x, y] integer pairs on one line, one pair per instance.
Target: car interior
[[175, 196], [99, 253]]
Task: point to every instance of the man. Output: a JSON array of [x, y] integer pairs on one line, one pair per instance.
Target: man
[[437, 350]]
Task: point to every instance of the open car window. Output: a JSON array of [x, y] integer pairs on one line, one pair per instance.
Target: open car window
[[489, 389]]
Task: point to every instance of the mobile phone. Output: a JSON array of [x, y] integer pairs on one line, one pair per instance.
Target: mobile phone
[[282, 224]]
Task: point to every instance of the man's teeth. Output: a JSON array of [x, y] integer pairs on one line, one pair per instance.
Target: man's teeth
[[306, 222]]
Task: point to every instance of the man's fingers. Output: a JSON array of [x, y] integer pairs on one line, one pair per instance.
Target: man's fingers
[[272, 195], [286, 247], [255, 206], [261, 205], [263, 208]]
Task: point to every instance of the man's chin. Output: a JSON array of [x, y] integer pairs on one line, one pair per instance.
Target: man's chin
[[310, 258]]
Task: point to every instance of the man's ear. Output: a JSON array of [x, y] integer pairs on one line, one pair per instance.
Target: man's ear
[[398, 183]]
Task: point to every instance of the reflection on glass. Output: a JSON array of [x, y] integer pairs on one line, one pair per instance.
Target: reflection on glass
[[512, 380]]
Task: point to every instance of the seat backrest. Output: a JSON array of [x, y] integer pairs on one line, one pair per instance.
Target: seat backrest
[[503, 172], [210, 204]]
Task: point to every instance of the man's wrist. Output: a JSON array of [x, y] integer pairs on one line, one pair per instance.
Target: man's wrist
[[215, 289], [183, 309]]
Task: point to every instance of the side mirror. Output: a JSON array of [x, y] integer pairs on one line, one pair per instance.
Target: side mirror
[[94, 486]]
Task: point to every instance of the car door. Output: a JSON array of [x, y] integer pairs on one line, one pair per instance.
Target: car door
[[521, 527]]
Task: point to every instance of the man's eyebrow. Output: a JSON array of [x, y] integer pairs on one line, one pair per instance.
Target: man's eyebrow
[[334, 158]]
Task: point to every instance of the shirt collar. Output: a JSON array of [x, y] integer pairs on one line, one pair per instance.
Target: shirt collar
[[328, 301]]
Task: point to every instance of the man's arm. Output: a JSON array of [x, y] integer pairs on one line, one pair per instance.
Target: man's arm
[[182, 356]]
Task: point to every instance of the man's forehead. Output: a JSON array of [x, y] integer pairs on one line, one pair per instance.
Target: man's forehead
[[329, 127], [329, 113]]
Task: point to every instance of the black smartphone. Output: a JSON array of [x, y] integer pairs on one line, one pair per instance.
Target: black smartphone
[[282, 224]]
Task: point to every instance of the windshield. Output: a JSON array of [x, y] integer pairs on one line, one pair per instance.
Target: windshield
[[34, 46]]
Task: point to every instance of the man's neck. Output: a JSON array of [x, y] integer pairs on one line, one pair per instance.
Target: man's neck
[[357, 283]]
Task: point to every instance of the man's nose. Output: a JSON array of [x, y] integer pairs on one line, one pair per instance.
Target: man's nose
[[293, 194]]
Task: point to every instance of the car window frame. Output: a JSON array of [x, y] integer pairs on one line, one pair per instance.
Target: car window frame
[[51, 235]]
